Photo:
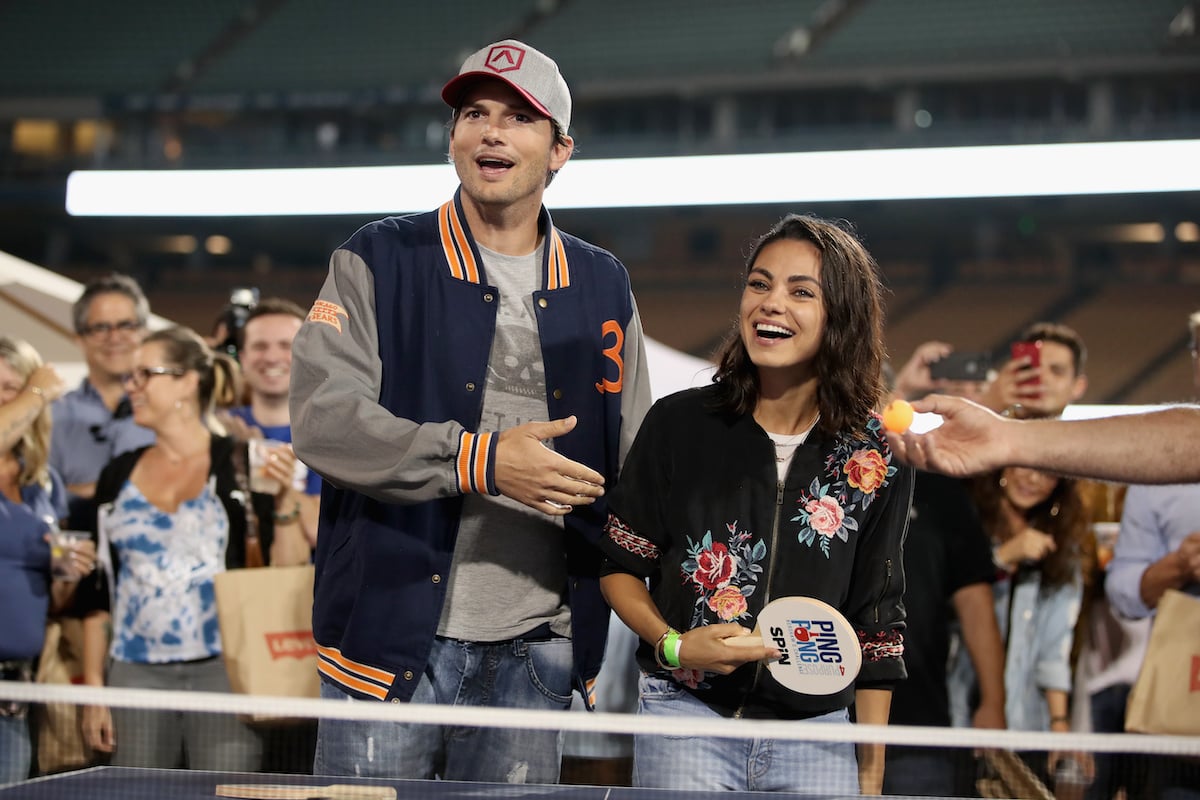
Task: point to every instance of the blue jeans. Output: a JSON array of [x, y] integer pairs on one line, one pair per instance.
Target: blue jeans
[[512, 674], [700, 763], [15, 749]]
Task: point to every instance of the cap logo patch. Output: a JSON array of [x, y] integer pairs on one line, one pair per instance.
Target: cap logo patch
[[505, 58]]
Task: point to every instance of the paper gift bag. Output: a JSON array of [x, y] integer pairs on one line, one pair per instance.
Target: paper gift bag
[[60, 744], [1166, 696], [266, 631]]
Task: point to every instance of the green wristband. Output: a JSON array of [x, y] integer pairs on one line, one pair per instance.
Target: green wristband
[[671, 649]]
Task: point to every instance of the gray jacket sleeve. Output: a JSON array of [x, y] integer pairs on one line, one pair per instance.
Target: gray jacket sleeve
[[339, 429], [636, 396]]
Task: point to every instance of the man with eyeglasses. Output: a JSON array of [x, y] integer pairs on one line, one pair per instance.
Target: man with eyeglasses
[[92, 423]]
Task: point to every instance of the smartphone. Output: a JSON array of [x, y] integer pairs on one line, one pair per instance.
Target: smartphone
[[1034, 351], [961, 367]]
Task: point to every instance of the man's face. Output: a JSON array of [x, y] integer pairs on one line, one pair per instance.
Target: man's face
[[1059, 383], [110, 336], [503, 148], [267, 353]]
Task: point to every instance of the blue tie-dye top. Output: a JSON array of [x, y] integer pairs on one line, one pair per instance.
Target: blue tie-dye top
[[165, 609]]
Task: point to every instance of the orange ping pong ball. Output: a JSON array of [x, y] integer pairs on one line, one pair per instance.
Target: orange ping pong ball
[[898, 416]]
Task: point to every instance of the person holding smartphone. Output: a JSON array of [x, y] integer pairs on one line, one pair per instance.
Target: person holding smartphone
[[1044, 374]]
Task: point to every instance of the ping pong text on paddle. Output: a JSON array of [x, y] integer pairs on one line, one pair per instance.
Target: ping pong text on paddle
[[812, 640]]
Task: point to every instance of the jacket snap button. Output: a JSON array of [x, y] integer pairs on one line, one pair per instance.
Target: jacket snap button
[[470, 387], [437, 579], [542, 302], [558, 394], [487, 298], [408, 676]]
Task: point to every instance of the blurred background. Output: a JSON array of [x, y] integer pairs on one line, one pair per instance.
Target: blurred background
[[143, 84]]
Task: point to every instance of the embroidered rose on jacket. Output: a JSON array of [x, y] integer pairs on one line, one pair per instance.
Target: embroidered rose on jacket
[[728, 602], [866, 470], [824, 515], [715, 566], [723, 572]]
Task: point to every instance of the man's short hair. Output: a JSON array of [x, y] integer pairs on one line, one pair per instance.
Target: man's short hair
[[113, 283], [276, 305], [1060, 334]]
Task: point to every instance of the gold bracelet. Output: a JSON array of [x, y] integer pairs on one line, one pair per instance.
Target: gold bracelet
[[288, 518], [37, 390]]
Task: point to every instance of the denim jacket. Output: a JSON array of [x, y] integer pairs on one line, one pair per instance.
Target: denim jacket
[[1038, 626]]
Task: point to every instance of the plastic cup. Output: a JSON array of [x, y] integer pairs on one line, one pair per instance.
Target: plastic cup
[[62, 544], [260, 452]]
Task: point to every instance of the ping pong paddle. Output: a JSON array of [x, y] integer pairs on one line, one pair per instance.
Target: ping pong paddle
[[336, 791], [819, 650]]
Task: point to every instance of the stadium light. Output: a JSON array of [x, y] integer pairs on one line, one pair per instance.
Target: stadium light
[[776, 178]]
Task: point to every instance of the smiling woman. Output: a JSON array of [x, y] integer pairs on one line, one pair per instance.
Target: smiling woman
[[173, 517], [775, 481], [1043, 553]]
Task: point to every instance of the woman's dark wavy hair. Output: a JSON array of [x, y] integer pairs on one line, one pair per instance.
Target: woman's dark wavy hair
[[850, 358], [1063, 515]]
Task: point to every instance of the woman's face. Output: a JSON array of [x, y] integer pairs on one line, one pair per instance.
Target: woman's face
[[1026, 488], [782, 315], [11, 383], [156, 387]]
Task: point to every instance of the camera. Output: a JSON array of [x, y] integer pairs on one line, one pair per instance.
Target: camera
[[232, 319]]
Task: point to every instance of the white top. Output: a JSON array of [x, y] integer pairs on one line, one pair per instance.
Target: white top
[[787, 444]]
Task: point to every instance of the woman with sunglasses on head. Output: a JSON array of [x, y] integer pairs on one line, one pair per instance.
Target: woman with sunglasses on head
[[32, 500], [775, 481], [172, 515]]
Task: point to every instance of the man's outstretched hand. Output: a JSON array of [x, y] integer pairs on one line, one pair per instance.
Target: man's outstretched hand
[[533, 474]]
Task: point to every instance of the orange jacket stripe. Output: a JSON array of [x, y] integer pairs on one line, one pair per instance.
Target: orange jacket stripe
[[444, 215], [350, 682], [463, 245], [466, 443], [365, 670], [552, 271], [559, 260], [484, 443]]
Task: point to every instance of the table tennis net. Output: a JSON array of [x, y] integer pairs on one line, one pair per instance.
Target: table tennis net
[[273, 741]]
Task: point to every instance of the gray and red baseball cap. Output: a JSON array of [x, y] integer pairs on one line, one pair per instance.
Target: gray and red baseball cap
[[529, 71]]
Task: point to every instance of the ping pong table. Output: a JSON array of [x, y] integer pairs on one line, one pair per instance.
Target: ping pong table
[[128, 783]]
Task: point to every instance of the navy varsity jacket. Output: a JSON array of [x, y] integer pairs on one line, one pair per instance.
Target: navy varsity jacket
[[387, 390]]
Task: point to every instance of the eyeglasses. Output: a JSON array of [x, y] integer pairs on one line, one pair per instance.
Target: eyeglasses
[[101, 330], [141, 375]]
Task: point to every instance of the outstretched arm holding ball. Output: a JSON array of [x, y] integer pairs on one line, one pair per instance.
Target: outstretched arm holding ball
[[1152, 447]]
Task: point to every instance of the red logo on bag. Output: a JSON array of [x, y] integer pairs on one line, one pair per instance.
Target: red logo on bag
[[291, 644], [1195, 674]]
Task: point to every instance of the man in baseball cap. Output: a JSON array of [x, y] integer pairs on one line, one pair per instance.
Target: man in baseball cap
[[529, 71], [468, 383]]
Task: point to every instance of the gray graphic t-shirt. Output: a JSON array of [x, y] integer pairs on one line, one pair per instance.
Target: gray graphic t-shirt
[[509, 572]]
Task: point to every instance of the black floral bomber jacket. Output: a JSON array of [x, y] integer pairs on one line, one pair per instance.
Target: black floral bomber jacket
[[700, 511]]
